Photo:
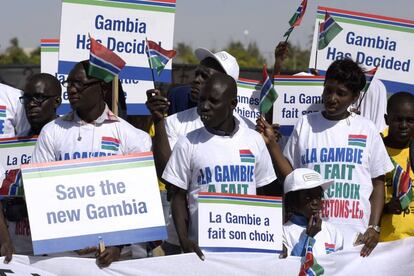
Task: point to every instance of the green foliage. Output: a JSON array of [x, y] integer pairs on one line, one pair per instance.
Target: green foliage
[[15, 55], [185, 54], [250, 57]]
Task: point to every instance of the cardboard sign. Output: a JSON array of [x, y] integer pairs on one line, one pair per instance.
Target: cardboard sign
[[298, 95], [244, 223], [371, 40], [248, 99], [121, 26], [74, 204]]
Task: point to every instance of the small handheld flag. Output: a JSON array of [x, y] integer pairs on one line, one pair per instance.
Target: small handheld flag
[[158, 57], [369, 76], [328, 30], [309, 264], [268, 94], [104, 64], [402, 185], [296, 18]]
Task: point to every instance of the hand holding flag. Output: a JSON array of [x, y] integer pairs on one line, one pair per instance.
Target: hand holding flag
[[268, 93], [104, 64]]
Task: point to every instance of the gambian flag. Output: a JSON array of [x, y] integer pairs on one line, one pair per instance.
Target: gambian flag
[[328, 30], [357, 140], [329, 248], [109, 143], [12, 184], [246, 156], [369, 76], [104, 64], [309, 264], [158, 57], [300, 12], [2, 111], [268, 93], [402, 185]]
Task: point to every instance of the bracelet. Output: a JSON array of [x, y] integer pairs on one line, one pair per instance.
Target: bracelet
[[375, 227]]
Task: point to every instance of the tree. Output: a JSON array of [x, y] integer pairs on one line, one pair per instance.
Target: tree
[[15, 55], [250, 57], [185, 54]]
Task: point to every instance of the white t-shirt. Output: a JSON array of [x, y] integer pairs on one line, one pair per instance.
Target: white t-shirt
[[69, 137], [13, 121], [374, 104], [351, 152], [328, 240], [181, 123], [204, 162]]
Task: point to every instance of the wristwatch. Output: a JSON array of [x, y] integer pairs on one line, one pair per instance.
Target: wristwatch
[[375, 227]]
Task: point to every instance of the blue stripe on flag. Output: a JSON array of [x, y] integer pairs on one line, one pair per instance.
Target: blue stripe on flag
[[109, 143], [113, 238], [97, 61], [240, 249], [255, 200], [267, 85], [151, 3]]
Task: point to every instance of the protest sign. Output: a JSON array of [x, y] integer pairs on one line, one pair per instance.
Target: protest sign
[[14, 152], [248, 98], [371, 40], [93, 199], [298, 95], [246, 223], [49, 58], [121, 26]]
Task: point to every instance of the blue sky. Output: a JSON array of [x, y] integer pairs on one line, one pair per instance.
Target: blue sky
[[209, 23]]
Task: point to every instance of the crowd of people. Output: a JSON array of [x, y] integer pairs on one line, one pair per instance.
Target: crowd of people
[[335, 172]]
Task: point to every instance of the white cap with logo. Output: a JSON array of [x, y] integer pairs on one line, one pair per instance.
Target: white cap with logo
[[227, 61], [303, 179]]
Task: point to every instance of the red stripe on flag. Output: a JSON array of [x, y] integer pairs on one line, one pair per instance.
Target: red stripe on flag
[[107, 55], [164, 1], [246, 151], [154, 46], [2, 107], [51, 40], [404, 184], [110, 139], [357, 136]]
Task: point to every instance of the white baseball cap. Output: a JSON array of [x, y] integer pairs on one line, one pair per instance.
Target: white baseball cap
[[303, 179], [227, 61]]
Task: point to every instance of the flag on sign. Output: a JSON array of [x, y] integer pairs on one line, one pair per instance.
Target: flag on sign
[[268, 93], [328, 30], [402, 184], [158, 57], [104, 64], [300, 12], [309, 264], [12, 184]]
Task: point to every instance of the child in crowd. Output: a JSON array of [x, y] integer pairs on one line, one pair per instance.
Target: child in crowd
[[303, 200], [344, 147], [398, 216]]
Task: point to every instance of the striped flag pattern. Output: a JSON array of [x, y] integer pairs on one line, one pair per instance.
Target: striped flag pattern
[[246, 156], [402, 185], [300, 12], [109, 143], [104, 64], [369, 76], [268, 94], [12, 184], [328, 30], [310, 266], [158, 57], [357, 140]]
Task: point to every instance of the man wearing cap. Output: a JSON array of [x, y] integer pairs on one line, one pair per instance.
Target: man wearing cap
[[303, 190], [184, 97]]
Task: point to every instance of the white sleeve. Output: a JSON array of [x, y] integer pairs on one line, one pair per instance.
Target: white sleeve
[[178, 169], [292, 150], [20, 122], [379, 162], [44, 149], [171, 132], [264, 172], [138, 141]]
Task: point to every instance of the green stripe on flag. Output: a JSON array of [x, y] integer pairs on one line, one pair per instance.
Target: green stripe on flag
[[121, 5], [100, 73], [329, 35], [114, 148], [406, 199], [48, 49], [247, 160], [370, 24], [267, 102], [18, 145], [240, 202], [360, 144], [297, 83], [62, 172], [2, 115], [253, 87]]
